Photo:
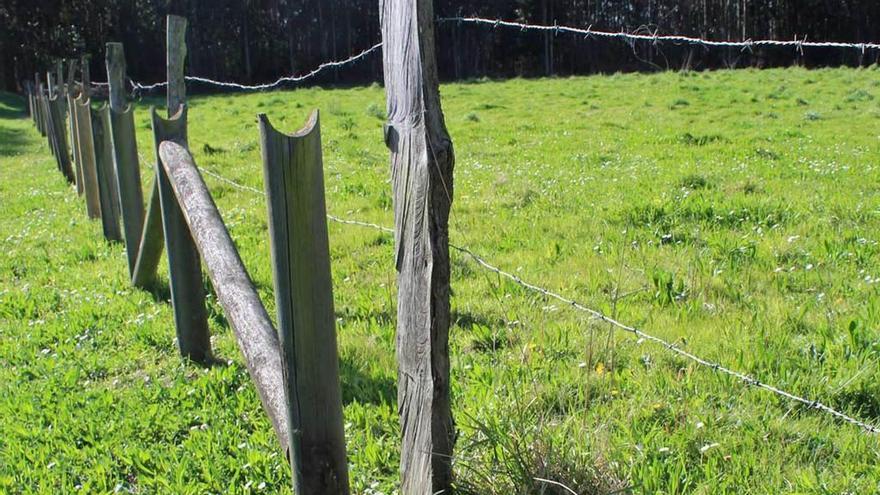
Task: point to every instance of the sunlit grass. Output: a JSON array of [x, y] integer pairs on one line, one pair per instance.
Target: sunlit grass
[[734, 213]]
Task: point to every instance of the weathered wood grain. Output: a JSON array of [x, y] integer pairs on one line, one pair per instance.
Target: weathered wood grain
[[246, 314], [82, 107], [107, 191], [294, 177], [125, 155], [421, 170]]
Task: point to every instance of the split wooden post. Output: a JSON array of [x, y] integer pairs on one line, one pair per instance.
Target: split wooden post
[[50, 123], [58, 132], [107, 192], [125, 157], [38, 87], [421, 170], [82, 107], [294, 177], [74, 135], [185, 269]]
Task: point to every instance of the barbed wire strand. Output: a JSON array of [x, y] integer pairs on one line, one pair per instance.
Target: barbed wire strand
[[799, 44], [258, 87], [796, 43], [598, 315]]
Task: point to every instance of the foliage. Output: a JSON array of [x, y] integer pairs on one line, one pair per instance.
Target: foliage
[[260, 40]]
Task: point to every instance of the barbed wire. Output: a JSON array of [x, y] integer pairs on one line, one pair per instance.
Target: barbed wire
[[799, 44], [598, 315], [138, 87]]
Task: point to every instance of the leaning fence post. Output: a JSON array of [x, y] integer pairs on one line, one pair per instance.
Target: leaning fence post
[[125, 157], [421, 170], [184, 265], [294, 178]]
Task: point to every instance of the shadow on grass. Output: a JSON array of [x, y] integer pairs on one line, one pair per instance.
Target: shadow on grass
[[11, 106], [12, 142], [359, 386]]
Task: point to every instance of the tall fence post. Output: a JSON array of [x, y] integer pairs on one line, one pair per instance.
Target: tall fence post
[[294, 178], [421, 169], [125, 157], [184, 265]]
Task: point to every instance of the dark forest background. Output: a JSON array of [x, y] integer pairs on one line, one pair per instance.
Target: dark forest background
[[259, 40]]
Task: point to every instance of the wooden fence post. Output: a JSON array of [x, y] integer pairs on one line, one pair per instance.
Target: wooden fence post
[[38, 86], [185, 269], [58, 132], [294, 177], [50, 124], [87, 155], [74, 133], [86, 77], [107, 191], [125, 157], [421, 169]]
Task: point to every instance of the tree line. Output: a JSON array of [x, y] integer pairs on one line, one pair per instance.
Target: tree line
[[259, 40]]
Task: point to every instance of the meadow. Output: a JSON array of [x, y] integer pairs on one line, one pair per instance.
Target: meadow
[[735, 213]]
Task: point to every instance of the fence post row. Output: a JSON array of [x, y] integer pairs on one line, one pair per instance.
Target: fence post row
[[296, 374], [293, 175], [421, 170], [125, 157]]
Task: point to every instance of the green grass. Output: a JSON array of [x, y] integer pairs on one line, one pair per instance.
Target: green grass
[[734, 213]]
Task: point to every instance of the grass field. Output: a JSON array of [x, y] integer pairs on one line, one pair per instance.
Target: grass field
[[734, 213]]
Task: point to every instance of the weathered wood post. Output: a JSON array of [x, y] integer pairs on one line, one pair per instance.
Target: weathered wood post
[[82, 106], [421, 170], [38, 87], [107, 192], [50, 124], [125, 156], [294, 176], [58, 132], [74, 134], [86, 76], [184, 266]]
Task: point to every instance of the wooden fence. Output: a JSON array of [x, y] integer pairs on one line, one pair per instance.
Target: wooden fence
[[295, 368]]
